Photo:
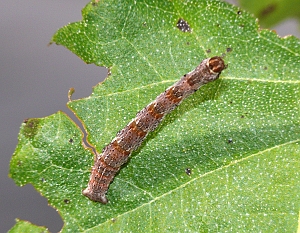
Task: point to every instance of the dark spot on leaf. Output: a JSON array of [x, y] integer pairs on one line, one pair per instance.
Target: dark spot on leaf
[[239, 12], [229, 50], [67, 201], [267, 10], [144, 24], [208, 51], [113, 219], [188, 43], [183, 25], [242, 25], [31, 127], [265, 68], [188, 171], [95, 3], [71, 140], [43, 179], [243, 116], [19, 163], [230, 102], [230, 140]]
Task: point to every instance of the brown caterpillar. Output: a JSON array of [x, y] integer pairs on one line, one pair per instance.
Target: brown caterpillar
[[116, 153]]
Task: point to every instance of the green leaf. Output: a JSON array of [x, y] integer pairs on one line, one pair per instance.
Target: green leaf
[[239, 135], [272, 12], [24, 226]]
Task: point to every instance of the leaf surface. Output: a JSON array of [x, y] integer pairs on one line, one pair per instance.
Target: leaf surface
[[239, 135], [24, 226]]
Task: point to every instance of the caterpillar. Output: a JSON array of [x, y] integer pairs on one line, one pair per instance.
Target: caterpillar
[[116, 153]]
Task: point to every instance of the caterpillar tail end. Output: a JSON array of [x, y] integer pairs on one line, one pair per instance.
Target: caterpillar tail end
[[100, 197]]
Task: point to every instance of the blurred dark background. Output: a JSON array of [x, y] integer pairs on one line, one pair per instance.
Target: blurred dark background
[[35, 80]]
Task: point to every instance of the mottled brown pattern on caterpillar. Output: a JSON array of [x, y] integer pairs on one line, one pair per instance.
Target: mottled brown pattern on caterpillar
[[108, 163]]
